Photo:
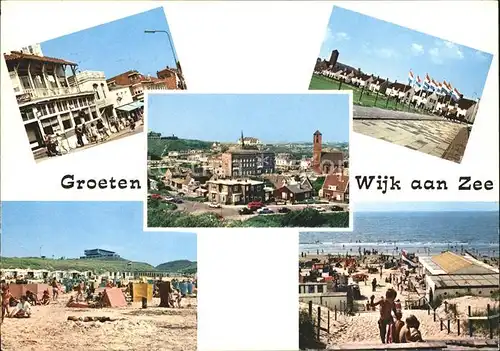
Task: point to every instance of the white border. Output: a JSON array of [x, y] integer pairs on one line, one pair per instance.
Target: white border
[[273, 229]]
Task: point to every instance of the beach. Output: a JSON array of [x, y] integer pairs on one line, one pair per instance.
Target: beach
[[361, 326], [135, 328]]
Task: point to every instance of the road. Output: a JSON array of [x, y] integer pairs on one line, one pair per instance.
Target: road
[[363, 112], [115, 136], [231, 212]]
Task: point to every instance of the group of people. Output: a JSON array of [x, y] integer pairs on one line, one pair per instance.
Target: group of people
[[21, 306], [391, 325], [90, 133]]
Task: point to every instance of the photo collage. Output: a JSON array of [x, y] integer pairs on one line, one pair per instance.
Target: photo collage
[[147, 205]]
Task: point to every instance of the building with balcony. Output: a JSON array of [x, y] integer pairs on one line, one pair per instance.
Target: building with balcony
[[240, 162], [49, 98], [99, 253], [95, 81], [235, 191]]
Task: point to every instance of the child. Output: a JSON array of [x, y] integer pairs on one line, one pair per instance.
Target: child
[[410, 332], [398, 325], [6, 295], [386, 308], [23, 309]]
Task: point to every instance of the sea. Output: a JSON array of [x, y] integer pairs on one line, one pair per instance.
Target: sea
[[422, 233]]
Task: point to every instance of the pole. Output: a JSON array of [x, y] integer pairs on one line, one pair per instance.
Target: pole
[[490, 325], [319, 321], [470, 321]]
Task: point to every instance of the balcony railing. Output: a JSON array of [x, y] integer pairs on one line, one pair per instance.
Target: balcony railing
[[44, 92]]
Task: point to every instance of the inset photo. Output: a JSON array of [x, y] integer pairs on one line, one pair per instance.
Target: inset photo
[[87, 88], [82, 274], [246, 160], [422, 274], [410, 88]]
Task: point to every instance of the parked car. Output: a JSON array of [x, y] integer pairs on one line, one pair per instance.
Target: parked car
[[214, 205], [284, 210], [156, 196], [264, 210], [255, 205], [169, 199], [319, 208], [245, 211], [336, 208], [177, 201]]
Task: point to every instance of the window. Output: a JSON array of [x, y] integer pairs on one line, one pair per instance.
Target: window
[[42, 110], [51, 108], [66, 121], [51, 125], [27, 114], [25, 82], [94, 115], [103, 91], [59, 106], [332, 187]]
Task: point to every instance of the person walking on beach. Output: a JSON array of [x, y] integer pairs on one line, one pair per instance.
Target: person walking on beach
[[374, 284], [386, 321], [55, 289]]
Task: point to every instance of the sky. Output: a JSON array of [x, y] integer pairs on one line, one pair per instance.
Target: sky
[[66, 229], [268, 117], [118, 46], [424, 206], [390, 51]]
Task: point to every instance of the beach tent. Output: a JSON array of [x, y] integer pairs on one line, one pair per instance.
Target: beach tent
[[18, 290], [113, 297], [140, 290]]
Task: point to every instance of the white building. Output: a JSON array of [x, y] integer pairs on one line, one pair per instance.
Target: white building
[[95, 82], [450, 274], [50, 100]]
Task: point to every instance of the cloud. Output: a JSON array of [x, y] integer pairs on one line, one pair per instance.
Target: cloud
[[444, 50], [341, 36], [386, 53], [417, 49]]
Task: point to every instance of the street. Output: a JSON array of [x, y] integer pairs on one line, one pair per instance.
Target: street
[[115, 136], [362, 112], [231, 212], [432, 137]]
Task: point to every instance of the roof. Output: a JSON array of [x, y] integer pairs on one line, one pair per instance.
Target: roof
[[465, 281], [400, 86], [297, 188], [465, 104], [454, 264], [131, 106], [244, 151], [235, 181], [16, 56], [341, 182], [317, 132]]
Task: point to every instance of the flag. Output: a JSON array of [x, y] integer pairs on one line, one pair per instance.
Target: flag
[[439, 88], [455, 94], [427, 82], [446, 88], [411, 78], [434, 85], [418, 81]]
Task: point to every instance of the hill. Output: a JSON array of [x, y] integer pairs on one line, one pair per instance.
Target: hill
[[95, 265], [179, 266], [159, 147]]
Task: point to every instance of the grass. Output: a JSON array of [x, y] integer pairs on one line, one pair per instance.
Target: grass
[[157, 148], [367, 99], [159, 218], [95, 265]]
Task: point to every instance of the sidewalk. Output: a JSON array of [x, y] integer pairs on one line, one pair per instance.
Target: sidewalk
[[115, 136]]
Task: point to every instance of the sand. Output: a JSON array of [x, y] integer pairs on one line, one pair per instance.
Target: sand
[[362, 328], [153, 328]]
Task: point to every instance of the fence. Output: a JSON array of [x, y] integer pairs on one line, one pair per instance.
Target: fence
[[374, 98], [318, 325], [445, 323]]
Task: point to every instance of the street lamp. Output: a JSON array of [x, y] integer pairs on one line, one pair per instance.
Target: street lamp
[[183, 84]]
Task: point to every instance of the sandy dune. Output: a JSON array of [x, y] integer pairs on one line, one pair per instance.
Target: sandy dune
[[153, 328]]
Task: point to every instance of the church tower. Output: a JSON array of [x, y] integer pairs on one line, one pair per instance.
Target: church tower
[[317, 141]]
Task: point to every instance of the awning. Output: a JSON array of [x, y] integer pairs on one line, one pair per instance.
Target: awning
[[132, 106]]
